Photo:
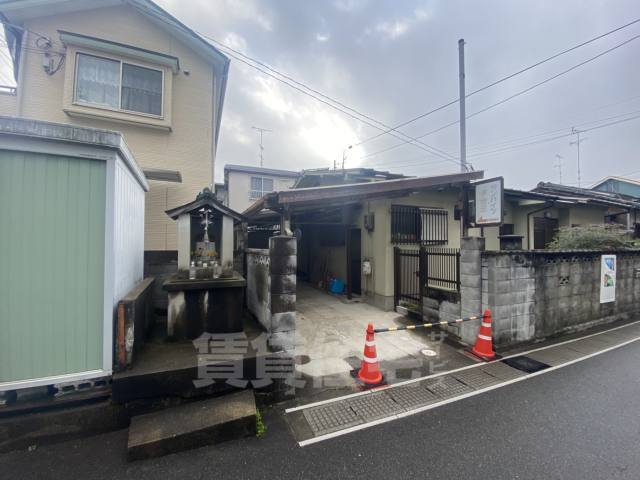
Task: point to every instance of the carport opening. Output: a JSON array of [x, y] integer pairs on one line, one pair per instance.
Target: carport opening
[[329, 253]]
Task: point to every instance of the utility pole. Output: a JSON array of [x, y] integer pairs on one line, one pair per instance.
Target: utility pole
[[344, 154], [577, 133], [559, 166], [463, 115], [262, 131]]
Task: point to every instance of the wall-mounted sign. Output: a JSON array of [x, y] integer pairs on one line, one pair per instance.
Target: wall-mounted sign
[[608, 278], [489, 202]]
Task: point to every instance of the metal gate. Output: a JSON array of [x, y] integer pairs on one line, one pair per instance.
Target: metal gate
[[419, 269]]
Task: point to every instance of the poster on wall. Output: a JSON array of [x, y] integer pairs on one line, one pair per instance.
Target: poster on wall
[[608, 279], [489, 202]]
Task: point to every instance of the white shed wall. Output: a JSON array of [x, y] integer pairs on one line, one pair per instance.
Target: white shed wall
[[128, 231]]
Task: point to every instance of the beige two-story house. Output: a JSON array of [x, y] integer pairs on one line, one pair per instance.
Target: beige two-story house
[[129, 66]]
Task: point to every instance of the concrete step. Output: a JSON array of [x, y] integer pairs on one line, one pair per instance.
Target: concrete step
[[192, 425]]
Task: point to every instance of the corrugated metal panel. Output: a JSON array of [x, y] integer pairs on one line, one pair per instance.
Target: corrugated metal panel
[[52, 221], [128, 231]]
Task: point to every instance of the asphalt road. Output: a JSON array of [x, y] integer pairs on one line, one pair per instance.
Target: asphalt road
[[579, 422]]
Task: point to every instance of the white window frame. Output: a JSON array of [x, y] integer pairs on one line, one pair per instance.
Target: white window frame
[[256, 194], [119, 109]]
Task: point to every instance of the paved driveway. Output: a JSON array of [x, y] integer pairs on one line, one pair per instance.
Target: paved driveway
[[330, 336]]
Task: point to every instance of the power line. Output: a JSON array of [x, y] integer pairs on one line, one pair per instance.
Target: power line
[[239, 56], [503, 79], [423, 146], [536, 142], [515, 95], [555, 137], [507, 145], [512, 139], [514, 142]]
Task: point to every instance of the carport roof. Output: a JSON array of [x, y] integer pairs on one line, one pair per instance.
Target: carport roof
[[357, 191]]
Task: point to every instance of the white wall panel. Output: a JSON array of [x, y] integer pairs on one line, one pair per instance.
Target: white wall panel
[[128, 231]]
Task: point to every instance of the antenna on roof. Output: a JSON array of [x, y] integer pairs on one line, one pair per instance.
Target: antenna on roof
[[577, 133], [262, 131], [559, 166]]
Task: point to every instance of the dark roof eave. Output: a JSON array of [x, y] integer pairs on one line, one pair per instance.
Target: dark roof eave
[[174, 213], [360, 190]]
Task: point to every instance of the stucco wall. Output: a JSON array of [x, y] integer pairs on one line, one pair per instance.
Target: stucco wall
[[378, 287], [187, 147], [523, 224], [583, 215], [240, 184]]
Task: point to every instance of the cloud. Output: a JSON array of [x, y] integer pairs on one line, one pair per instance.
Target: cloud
[[228, 11], [327, 135], [349, 5], [394, 60], [399, 27], [235, 127], [235, 41], [269, 94]]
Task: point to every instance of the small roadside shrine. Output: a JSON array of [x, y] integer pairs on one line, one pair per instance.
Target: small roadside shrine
[[206, 295]]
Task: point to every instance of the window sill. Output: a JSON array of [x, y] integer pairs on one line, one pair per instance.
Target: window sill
[[81, 111]]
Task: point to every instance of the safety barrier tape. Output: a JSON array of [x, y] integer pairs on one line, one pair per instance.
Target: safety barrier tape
[[428, 325]]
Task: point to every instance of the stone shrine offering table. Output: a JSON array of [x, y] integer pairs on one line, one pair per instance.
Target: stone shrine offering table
[[196, 306]]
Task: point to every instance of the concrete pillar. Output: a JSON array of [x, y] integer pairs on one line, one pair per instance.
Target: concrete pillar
[[282, 271], [226, 243], [471, 249], [184, 240]]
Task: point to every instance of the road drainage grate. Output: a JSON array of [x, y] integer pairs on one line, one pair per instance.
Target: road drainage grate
[[447, 386], [526, 364], [374, 406], [476, 378], [330, 418], [412, 396]]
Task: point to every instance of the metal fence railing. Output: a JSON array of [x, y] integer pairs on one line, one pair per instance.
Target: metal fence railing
[[417, 269], [411, 225], [443, 268]]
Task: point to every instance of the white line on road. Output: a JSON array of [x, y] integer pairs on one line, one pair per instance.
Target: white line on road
[[455, 370], [362, 426]]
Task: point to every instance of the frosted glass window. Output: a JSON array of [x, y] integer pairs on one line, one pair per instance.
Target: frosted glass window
[[141, 89], [98, 81], [114, 84], [259, 187]]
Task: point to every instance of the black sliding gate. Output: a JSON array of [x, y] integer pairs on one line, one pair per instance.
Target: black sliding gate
[[417, 269]]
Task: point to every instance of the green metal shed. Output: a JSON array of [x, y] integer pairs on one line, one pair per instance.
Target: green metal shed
[[71, 245]]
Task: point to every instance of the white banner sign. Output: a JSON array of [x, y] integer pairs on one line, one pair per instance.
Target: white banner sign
[[608, 279], [489, 195]]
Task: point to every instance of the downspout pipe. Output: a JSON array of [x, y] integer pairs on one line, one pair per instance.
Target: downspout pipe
[[547, 206]]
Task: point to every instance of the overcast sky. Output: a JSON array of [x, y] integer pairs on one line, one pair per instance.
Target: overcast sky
[[393, 60]]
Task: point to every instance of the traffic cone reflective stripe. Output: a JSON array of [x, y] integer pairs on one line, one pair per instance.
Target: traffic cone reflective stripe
[[484, 343], [369, 370]]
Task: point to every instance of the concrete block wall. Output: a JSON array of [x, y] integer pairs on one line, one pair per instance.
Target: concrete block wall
[[534, 295], [283, 263], [271, 290], [509, 291], [471, 249], [568, 289]]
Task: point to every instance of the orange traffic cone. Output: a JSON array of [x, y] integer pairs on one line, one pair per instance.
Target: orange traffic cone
[[484, 343], [369, 371]]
